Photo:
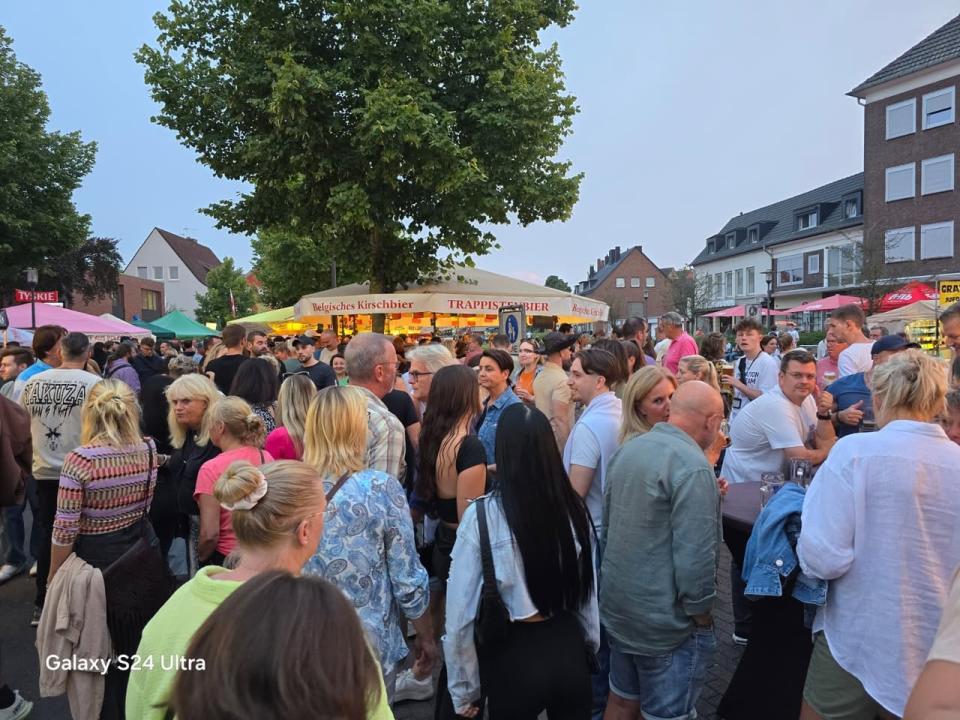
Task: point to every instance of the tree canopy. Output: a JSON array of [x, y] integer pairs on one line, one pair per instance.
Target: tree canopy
[[91, 269], [39, 170], [285, 274], [214, 305], [557, 283], [387, 131]]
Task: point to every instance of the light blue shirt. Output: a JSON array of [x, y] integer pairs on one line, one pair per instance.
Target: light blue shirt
[[38, 367], [368, 551], [487, 431]]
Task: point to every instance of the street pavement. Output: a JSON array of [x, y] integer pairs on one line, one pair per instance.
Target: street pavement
[[19, 664]]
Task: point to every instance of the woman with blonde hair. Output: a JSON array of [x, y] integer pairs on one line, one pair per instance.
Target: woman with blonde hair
[[190, 398], [106, 486], [293, 403], [697, 367], [879, 524], [278, 516], [368, 550], [239, 433], [646, 400]]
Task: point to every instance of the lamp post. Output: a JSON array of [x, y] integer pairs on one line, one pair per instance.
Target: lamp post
[[646, 314], [768, 276], [32, 278]]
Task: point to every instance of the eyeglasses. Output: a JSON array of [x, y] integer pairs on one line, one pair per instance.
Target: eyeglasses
[[803, 376], [416, 374]]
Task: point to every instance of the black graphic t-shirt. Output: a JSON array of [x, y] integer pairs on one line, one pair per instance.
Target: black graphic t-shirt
[[54, 399]]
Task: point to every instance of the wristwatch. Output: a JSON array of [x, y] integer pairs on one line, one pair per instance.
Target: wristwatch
[[828, 416]]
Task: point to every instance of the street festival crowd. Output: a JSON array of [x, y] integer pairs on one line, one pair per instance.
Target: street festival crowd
[[264, 527]]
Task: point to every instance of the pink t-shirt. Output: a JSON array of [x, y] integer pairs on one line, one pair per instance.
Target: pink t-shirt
[[280, 445], [210, 472], [679, 348]]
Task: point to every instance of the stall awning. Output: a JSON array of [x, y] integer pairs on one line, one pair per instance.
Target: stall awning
[[470, 292], [828, 303], [909, 294], [741, 311], [97, 328], [183, 326]]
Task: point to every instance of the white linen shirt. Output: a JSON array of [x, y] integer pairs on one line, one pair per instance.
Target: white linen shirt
[[856, 358], [881, 522]]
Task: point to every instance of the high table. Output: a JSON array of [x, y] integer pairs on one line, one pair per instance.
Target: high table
[[768, 681]]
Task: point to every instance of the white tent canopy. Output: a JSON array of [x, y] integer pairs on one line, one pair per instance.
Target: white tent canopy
[[474, 292], [896, 319]]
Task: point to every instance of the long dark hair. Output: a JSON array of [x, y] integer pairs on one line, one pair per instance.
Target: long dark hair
[[279, 666], [256, 382], [454, 394], [121, 352], [615, 348], [544, 513]]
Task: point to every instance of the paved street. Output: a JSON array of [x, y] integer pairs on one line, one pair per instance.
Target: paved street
[[20, 667]]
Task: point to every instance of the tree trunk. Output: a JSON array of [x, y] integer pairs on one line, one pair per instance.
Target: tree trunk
[[376, 278]]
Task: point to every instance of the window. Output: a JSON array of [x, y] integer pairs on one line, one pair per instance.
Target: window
[[813, 265], [842, 265], [728, 283], [651, 282], [936, 240], [158, 272], [901, 118], [899, 244], [753, 235], [634, 282], [142, 271], [731, 240], [707, 280], [852, 205], [174, 272], [621, 283], [721, 243], [936, 175], [150, 299], [718, 286], [938, 108], [739, 276], [901, 182], [806, 219], [751, 280], [790, 270]]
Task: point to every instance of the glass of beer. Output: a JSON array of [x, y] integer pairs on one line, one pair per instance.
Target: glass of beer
[[828, 377], [770, 483], [725, 432], [726, 374]]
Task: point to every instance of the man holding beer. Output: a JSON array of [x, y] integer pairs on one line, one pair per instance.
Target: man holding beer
[[755, 373]]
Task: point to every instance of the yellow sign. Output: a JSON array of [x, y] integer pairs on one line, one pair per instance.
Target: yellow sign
[[949, 292]]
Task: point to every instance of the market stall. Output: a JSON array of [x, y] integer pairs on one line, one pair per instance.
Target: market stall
[[280, 321], [97, 328], [918, 320], [182, 326], [909, 294], [469, 299]]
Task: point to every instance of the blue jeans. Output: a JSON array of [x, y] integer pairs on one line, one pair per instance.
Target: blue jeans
[[666, 686], [14, 528]]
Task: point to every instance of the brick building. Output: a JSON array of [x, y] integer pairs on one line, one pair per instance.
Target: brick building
[[910, 142], [134, 296], [630, 283]]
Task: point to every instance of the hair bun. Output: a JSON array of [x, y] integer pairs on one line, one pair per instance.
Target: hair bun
[[239, 482]]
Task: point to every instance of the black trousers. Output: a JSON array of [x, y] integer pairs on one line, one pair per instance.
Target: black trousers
[[47, 511], [541, 666]]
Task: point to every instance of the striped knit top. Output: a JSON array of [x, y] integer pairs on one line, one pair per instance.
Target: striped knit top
[[102, 490]]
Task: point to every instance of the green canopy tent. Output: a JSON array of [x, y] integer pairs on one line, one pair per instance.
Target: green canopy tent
[[155, 330], [184, 327]]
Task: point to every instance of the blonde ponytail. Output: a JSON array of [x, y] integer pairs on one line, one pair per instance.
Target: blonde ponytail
[[110, 415]]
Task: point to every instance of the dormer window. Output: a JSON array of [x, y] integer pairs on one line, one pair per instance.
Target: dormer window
[[753, 234], [807, 219], [731, 240], [852, 205]]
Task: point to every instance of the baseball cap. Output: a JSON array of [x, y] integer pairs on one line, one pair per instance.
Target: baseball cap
[[891, 342], [305, 340]]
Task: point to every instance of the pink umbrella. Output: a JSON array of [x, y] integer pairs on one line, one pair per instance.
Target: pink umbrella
[[73, 321], [741, 311], [828, 303]]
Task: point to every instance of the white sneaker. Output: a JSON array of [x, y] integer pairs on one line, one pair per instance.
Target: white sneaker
[[8, 571], [409, 688], [20, 708], [33, 570]]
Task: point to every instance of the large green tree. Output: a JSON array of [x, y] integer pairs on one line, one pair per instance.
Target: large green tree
[[39, 170], [92, 269], [283, 271], [214, 305], [394, 132]]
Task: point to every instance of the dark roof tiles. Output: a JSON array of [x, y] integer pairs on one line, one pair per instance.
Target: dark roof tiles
[[198, 258]]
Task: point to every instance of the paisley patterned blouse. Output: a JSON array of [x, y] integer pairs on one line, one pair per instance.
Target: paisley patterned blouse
[[368, 551]]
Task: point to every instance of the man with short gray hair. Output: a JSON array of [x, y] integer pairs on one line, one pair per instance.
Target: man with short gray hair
[[53, 399], [372, 366], [681, 344]]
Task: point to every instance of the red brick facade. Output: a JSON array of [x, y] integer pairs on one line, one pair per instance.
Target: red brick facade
[[135, 296], [621, 279]]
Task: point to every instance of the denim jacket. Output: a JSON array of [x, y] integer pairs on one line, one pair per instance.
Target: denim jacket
[[771, 551], [463, 597], [487, 432]]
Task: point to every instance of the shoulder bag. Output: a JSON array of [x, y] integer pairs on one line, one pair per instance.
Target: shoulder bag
[[136, 584], [490, 629]]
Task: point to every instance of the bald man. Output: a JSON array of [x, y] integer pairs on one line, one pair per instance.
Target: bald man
[[658, 579]]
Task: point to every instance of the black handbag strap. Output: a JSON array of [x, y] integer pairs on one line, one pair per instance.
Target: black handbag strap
[[336, 486], [146, 488], [486, 555]]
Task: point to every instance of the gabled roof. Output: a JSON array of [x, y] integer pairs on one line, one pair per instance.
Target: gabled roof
[[198, 258], [941, 46], [776, 221], [599, 277]]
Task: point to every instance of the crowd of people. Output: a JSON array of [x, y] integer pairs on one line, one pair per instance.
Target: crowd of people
[[332, 522]]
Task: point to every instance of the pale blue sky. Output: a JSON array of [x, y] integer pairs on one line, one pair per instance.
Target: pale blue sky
[[690, 113]]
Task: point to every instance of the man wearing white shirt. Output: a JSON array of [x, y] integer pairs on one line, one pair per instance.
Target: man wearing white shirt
[[756, 372], [847, 323]]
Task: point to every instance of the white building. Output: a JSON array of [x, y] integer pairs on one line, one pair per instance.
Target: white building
[[180, 263], [796, 250]]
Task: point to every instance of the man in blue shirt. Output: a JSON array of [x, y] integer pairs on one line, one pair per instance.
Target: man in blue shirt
[[852, 394]]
